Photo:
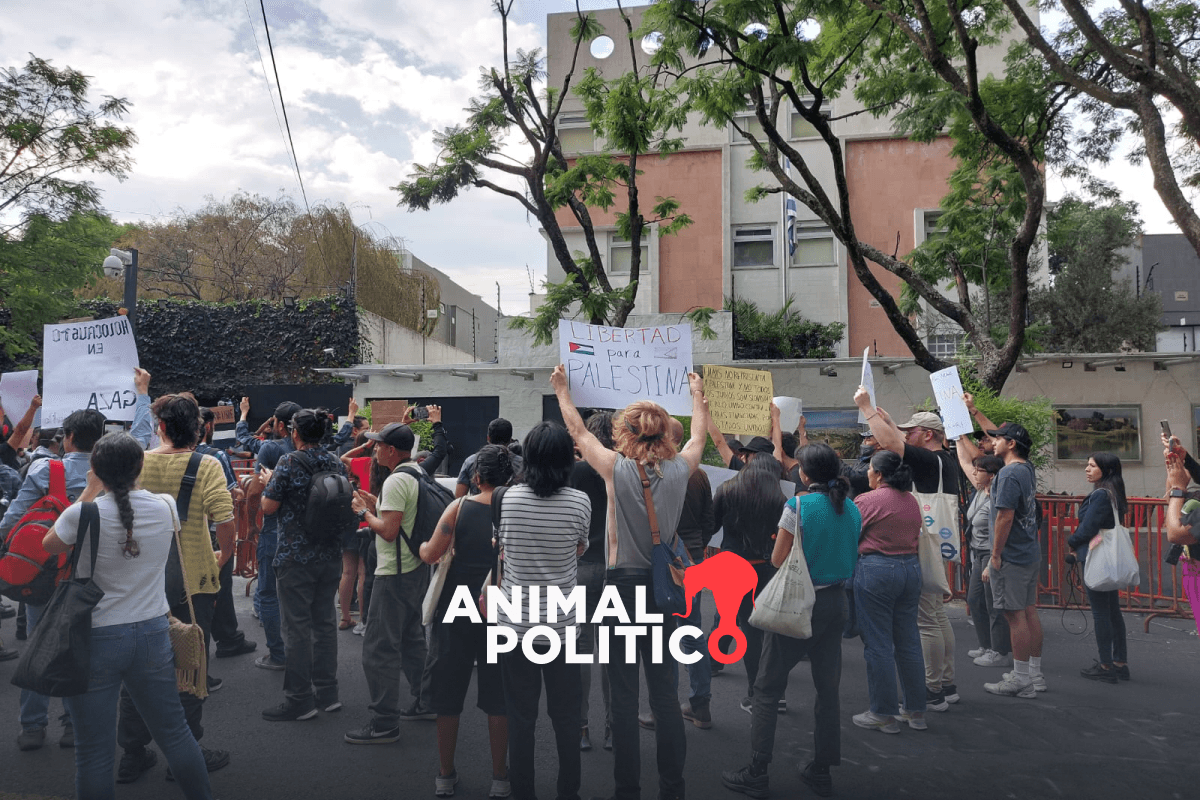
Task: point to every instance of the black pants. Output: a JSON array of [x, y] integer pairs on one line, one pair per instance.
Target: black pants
[[522, 692], [132, 732], [754, 636], [306, 594], [224, 624], [782, 653]]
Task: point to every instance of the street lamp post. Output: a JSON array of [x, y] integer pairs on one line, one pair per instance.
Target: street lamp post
[[122, 262]]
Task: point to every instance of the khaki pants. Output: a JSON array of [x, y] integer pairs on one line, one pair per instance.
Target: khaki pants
[[937, 642]]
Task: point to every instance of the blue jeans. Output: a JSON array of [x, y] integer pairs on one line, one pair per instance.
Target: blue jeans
[[35, 708], [886, 592], [267, 596], [139, 655]]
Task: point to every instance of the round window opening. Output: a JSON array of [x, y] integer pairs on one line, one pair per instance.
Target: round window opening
[[652, 43], [602, 47], [807, 30], [757, 30]]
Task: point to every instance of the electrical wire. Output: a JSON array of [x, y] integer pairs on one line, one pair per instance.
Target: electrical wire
[[266, 78]]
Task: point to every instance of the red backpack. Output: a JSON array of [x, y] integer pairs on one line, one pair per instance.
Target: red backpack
[[28, 573]]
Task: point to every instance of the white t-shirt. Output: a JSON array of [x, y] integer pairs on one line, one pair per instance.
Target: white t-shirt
[[134, 588]]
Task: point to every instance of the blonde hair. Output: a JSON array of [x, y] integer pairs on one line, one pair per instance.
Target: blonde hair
[[642, 432]]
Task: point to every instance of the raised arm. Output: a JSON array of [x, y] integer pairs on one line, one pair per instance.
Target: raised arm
[[693, 451], [886, 433], [17, 440], [776, 433], [600, 457], [441, 446], [719, 440], [967, 453], [985, 424]]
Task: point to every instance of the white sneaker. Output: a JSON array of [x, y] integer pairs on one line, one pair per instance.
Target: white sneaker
[[977, 652], [1039, 680], [1011, 685], [500, 788], [993, 659], [915, 719], [359, 629], [879, 722], [444, 784]]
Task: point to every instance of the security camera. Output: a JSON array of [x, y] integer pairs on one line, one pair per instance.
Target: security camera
[[114, 267], [328, 351]]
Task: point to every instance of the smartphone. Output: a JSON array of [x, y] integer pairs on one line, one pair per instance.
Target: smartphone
[[1166, 428], [421, 412]]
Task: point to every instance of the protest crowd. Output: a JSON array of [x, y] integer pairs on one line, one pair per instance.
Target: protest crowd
[[614, 503]]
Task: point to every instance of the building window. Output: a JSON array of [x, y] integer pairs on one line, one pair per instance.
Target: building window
[[1083, 430], [620, 255], [931, 225], [754, 246], [943, 345], [803, 129], [575, 134], [749, 123], [839, 428], [814, 244]]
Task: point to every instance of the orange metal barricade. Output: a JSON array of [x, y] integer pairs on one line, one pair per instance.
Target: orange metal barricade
[[248, 513]]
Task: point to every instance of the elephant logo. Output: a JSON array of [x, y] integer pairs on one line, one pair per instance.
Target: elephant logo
[[728, 577]]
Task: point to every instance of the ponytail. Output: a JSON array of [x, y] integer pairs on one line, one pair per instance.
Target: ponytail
[[893, 471], [822, 470]]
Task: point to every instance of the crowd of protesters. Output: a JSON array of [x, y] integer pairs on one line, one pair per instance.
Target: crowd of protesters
[[580, 505]]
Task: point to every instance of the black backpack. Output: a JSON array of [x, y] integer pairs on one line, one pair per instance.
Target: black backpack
[[432, 499], [327, 512]]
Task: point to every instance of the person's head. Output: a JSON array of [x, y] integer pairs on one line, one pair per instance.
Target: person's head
[[549, 454], [984, 443], [986, 468], [642, 432], [759, 445], [869, 444], [308, 428], [117, 461], [1104, 472], [81, 430], [361, 423], [752, 497], [789, 442], [675, 432], [493, 467], [208, 421], [50, 439], [888, 469], [924, 430], [499, 431], [361, 438], [393, 444], [820, 470], [600, 425], [1011, 439], [178, 420], [283, 417]]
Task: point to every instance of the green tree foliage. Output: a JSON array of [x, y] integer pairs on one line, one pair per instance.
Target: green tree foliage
[[633, 115], [1086, 309], [1036, 416], [781, 334]]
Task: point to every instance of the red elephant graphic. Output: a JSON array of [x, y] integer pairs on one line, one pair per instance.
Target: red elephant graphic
[[728, 577]]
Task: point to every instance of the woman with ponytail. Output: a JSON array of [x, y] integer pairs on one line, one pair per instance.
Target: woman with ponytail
[[130, 643], [887, 589], [825, 523]]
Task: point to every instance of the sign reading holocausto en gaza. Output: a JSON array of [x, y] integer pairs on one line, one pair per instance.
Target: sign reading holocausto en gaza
[[88, 365], [613, 367]]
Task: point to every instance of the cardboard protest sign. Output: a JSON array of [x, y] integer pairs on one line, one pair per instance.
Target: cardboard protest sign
[[16, 392], [385, 412], [222, 415], [948, 391], [613, 367], [739, 399], [88, 365], [867, 382], [790, 411]]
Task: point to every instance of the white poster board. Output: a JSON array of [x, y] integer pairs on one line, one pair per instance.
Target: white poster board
[[613, 367], [88, 365], [17, 390], [948, 391], [867, 382], [790, 411]]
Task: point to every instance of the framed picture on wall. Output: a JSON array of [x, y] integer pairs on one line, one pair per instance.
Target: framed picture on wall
[[839, 428], [1083, 430]]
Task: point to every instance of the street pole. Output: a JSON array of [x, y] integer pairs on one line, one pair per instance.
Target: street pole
[[131, 271]]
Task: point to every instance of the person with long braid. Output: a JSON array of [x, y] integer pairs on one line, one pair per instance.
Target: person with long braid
[[130, 643]]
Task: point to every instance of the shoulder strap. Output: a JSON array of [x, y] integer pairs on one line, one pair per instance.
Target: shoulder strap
[[89, 527], [58, 480], [182, 569], [184, 499], [654, 535], [497, 506]]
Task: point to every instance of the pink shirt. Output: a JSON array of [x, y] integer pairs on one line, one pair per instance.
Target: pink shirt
[[891, 522]]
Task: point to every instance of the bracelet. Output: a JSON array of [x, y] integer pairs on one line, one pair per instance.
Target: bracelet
[[873, 416]]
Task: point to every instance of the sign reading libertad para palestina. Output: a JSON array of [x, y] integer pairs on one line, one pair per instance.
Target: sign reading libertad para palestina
[[613, 367], [88, 365]]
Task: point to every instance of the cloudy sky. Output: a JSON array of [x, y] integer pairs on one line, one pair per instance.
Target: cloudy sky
[[365, 82]]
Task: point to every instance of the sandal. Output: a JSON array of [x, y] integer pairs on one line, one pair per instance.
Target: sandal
[[345, 625]]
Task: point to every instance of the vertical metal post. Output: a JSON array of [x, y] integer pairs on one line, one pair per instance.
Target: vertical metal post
[[130, 300]]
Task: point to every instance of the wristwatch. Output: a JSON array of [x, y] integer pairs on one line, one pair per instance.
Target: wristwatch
[[362, 515], [1178, 493]]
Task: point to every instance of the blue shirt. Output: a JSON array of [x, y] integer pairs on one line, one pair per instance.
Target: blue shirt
[[268, 456], [37, 486], [246, 439], [219, 455], [1015, 488], [143, 425], [289, 485]]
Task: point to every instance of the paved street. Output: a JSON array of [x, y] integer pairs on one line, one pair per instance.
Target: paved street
[[1079, 739]]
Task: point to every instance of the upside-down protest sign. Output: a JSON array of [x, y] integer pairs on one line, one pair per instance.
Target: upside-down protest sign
[[88, 365], [739, 399], [613, 367]]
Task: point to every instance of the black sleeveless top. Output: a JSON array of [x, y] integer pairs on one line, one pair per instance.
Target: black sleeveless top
[[472, 550]]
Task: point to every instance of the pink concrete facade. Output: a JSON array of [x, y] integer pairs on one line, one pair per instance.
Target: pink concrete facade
[[888, 180]]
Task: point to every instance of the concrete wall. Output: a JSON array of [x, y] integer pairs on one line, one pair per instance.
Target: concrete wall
[[465, 321], [392, 343]]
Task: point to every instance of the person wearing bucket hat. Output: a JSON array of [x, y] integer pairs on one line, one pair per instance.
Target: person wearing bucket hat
[[921, 442]]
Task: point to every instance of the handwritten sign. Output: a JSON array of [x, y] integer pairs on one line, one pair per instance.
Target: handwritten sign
[[88, 365], [948, 391], [790, 411], [16, 392], [739, 399], [613, 367], [222, 415], [867, 382], [385, 412]]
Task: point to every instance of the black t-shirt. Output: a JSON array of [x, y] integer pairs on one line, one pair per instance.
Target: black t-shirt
[[587, 480], [8, 456], [925, 465]]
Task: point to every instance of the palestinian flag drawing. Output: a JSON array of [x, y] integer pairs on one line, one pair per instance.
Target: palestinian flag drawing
[[581, 349]]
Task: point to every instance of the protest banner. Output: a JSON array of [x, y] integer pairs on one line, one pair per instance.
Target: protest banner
[[790, 411], [948, 391], [739, 399], [17, 390], [88, 365], [613, 367], [385, 412], [867, 382]]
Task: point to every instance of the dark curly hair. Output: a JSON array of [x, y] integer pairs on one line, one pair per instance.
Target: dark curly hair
[[180, 415]]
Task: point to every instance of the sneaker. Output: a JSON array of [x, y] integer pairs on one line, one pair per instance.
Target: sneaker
[[950, 692], [607, 738], [7, 653], [213, 761], [1011, 685], [879, 722], [31, 740], [915, 719], [747, 782], [134, 764], [977, 652], [1039, 681], [288, 711], [1096, 672], [782, 708], [266, 662], [501, 788], [7, 611], [993, 659], [417, 712], [369, 734], [214, 683], [68, 735], [240, 649], [817, 779], [443, 785], [585, 741], [1122, 671], [747, 705], [359, 629], [698, 714], [331, 706], [935, 701], [646, 720]]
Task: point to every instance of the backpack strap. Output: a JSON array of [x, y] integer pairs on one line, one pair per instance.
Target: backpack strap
[[419, 475], [497, 512], [58, 481], [184, 498]]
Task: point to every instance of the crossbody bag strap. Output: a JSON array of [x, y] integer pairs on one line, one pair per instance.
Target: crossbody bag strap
[[184, 498], [497, 514], [89, 529], [654, 534], [175, 523]]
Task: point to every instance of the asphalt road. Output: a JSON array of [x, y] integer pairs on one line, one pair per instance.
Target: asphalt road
[[1078, 740]]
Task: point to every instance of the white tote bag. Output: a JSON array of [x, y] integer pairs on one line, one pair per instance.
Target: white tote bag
[[786, 603], [438, 582], [939, 512], [933, 568], [1111, 562]]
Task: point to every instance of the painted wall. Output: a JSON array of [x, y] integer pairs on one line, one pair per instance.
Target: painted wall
[[392, 343]]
